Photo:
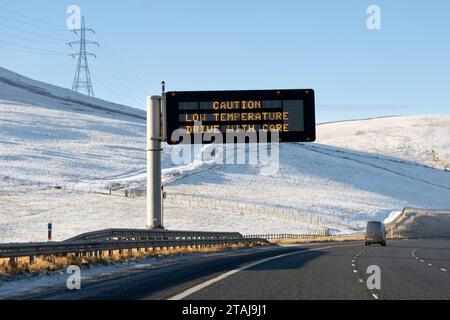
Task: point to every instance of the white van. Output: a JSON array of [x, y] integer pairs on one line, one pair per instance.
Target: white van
[[375, 233]]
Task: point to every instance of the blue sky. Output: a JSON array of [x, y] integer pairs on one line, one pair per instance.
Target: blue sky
[[403, 69]]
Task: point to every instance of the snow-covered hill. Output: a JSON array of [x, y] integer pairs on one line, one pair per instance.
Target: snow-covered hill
[[53, 135], [356, 171], [422, 139]]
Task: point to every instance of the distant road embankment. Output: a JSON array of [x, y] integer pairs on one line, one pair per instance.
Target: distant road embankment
[[421, 223]]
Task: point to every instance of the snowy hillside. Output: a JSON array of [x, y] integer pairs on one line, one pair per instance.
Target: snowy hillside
[[422, 139], [52, 137]]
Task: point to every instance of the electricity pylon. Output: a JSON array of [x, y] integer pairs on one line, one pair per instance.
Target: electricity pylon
[[82, 82]]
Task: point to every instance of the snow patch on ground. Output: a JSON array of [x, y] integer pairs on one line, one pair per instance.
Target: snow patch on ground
[[394, 215]]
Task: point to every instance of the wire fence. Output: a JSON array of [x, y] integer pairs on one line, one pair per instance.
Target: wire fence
[[78, 187], [323, 235]]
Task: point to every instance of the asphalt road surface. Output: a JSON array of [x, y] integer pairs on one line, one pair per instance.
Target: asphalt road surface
[[412, 269]]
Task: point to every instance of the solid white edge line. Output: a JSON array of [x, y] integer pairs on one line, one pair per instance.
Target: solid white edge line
[[206, 284]]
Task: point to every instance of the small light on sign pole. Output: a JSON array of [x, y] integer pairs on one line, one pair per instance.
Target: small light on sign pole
[[50, 227]]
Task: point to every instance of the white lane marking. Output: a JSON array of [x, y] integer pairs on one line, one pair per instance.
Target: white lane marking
[[430, 265], [444, 270], [375, 296], [422, 261], [413, 253], [223, 276], [353, 261], [355, 271], [353, 265], [361, 281]]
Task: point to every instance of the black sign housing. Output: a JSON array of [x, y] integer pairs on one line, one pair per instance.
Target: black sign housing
[[290, 112]]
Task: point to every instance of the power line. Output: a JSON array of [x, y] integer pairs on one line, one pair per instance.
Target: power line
[[31, 18], [33, 33], [113, 88], [107, 50], [31, 52], [106, 81], [30, 24], [120, 69], [30, 48], [122, 74], [30, 40], [119, 78]]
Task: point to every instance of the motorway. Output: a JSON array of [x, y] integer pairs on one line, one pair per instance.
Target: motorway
[[410, 269]]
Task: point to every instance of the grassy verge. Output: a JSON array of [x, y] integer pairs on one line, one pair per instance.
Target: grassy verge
[[56, 263]]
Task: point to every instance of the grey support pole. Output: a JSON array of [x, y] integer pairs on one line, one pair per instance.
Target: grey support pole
[[154, 210]]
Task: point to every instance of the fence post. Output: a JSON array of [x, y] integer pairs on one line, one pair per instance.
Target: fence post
[[13, 262], [50, 229]]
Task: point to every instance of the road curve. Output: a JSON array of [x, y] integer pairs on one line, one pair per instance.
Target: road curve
[[413, 269]]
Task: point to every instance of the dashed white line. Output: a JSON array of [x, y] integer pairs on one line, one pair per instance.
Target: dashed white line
[[355, 271], [223, 276], [413, 253], [361, 281], [376, 297]]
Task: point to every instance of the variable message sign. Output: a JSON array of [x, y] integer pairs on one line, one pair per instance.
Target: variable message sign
[[290, 113]]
